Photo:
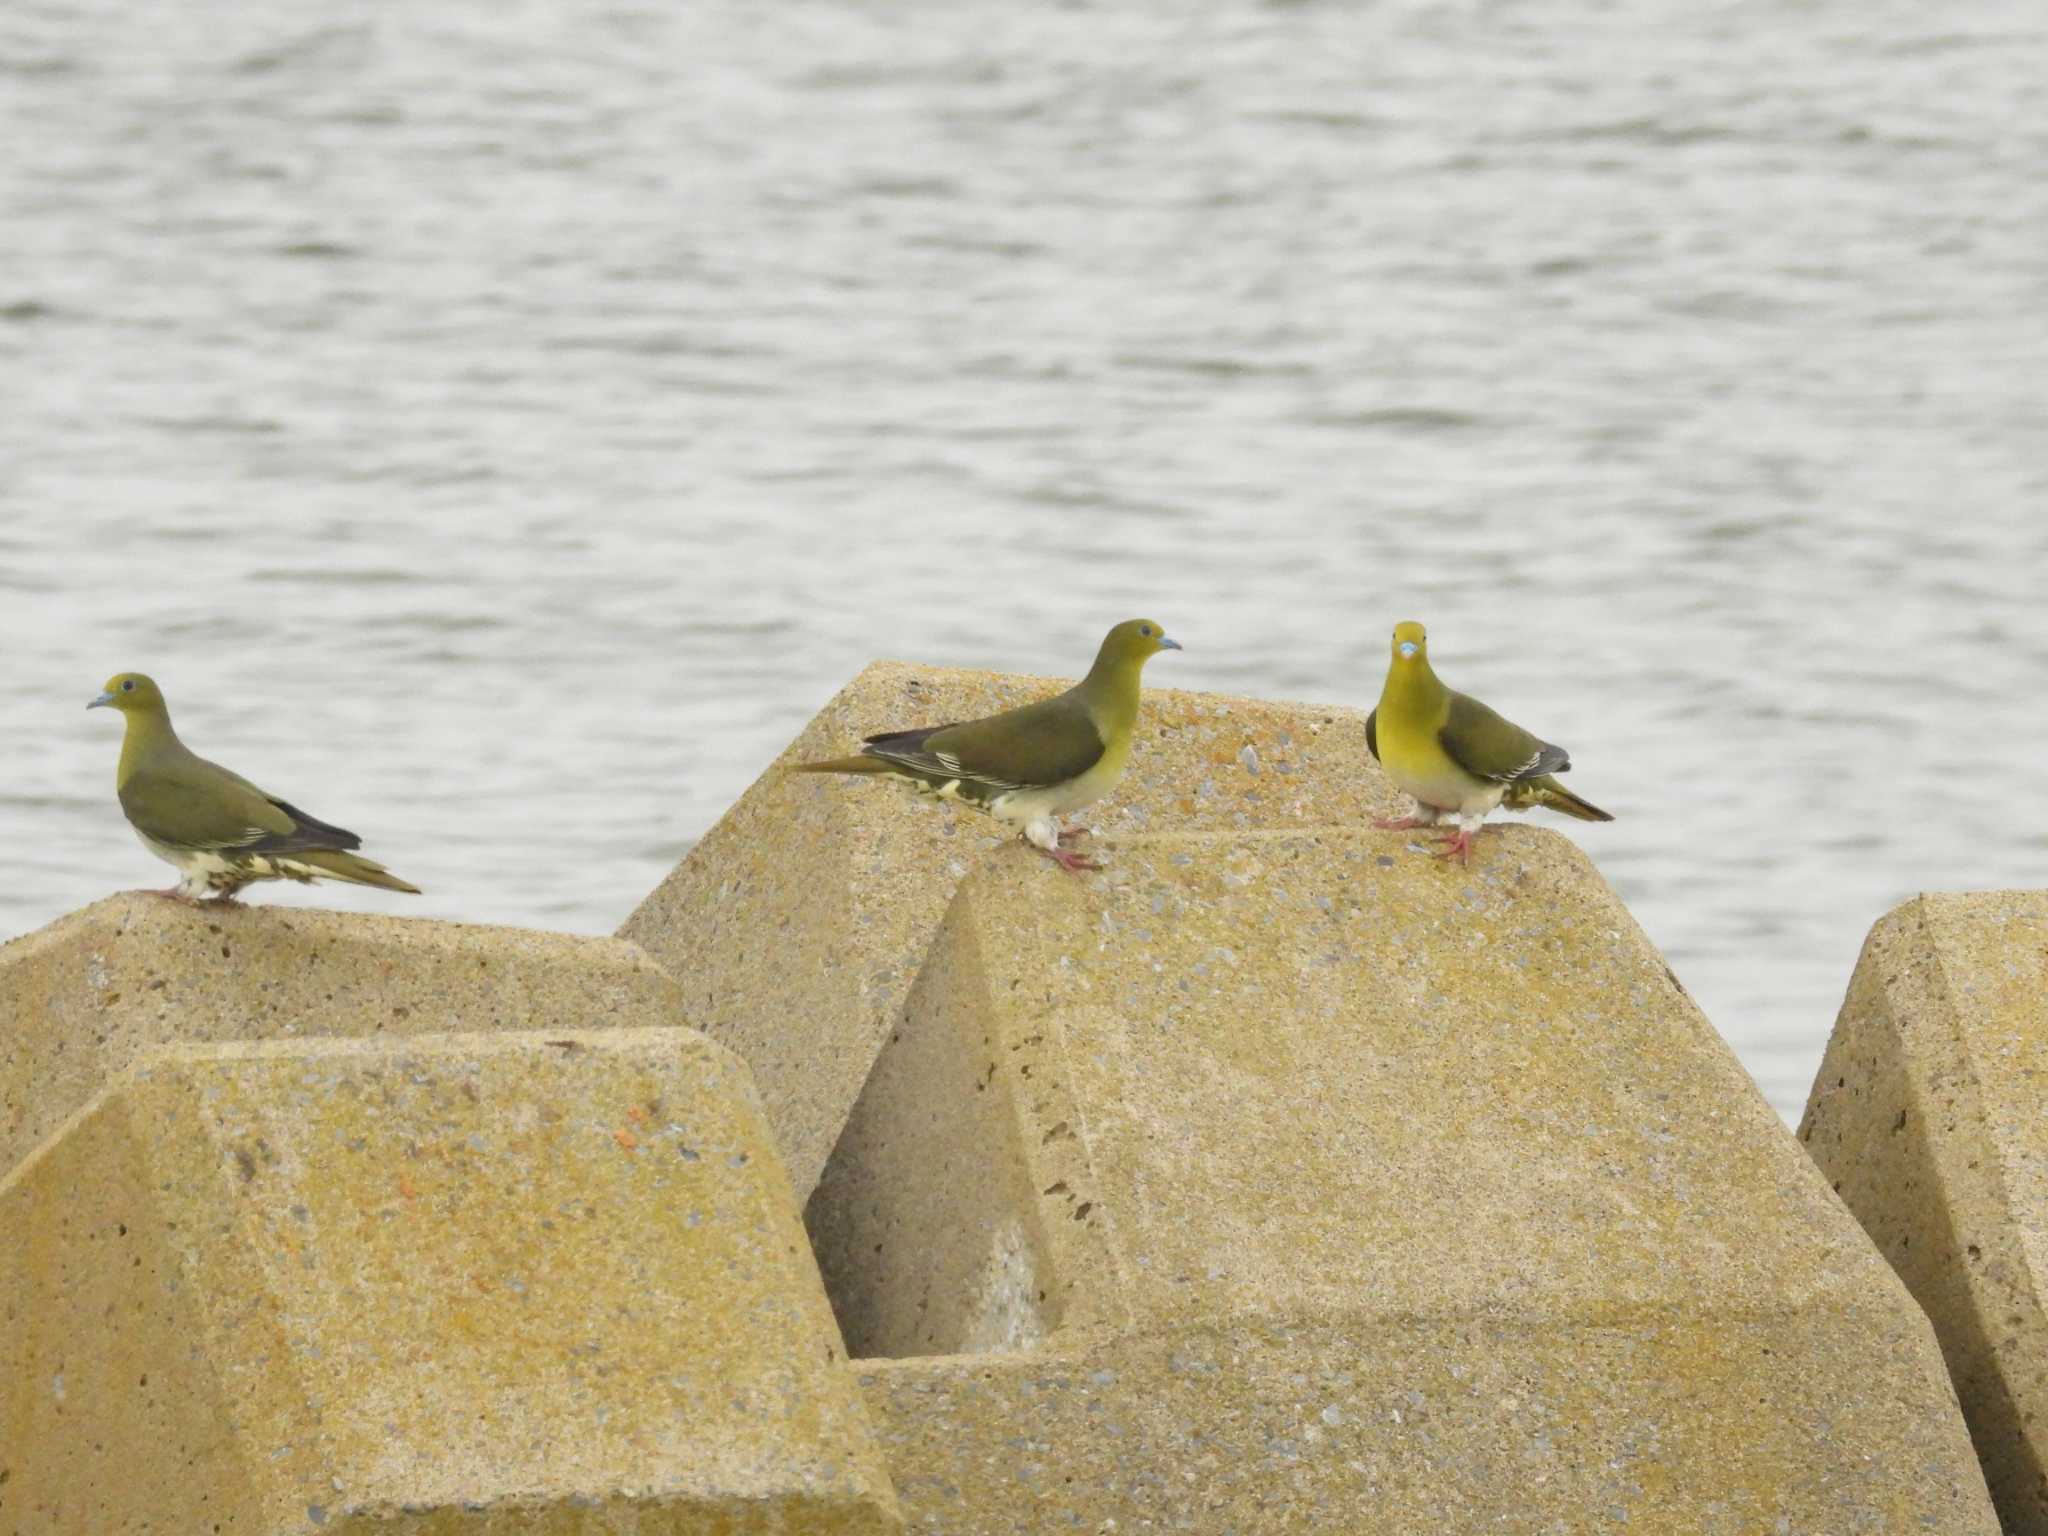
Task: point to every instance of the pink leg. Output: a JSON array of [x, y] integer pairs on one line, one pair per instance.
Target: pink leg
[[1457, 846], [1073, 862]]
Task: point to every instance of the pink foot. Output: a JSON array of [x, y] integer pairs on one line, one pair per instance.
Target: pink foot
[[1072, 862], [1401, 823], [1457, 846]]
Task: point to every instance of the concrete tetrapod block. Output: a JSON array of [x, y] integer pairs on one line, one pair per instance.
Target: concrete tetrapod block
[[463, 1283], [1302, 1183], [1928, 1116], [82, 997], [798, 922]]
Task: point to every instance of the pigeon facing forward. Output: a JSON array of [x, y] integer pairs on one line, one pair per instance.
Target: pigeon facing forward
[[1455, 756]]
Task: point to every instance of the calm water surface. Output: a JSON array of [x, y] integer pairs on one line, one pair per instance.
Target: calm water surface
[[500, 426]]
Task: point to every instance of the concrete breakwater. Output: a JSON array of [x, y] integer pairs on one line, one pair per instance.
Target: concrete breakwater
[[881, 1177]]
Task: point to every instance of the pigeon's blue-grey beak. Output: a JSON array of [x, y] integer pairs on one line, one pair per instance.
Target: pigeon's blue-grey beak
[[1408, 648], [1166, 644], [105, 698]]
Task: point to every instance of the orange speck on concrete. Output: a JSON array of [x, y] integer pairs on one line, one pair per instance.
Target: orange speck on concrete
[[626, 1139]]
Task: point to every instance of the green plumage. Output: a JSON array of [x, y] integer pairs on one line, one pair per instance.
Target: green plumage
[[1489, 747], [183, 801], [219, 830], [1040, 745], [1455, 756], [1031, 765]]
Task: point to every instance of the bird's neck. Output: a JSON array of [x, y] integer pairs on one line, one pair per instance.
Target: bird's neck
[[148, 733], [1111, 691], [1414, 693]]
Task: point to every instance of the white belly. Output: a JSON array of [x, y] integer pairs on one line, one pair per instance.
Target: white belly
[[1036, 812], [1457, 792], [1020, 806]]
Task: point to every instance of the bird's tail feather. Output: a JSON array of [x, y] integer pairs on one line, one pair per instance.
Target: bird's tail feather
[[1546, 791], [846, 765], [333, 864]]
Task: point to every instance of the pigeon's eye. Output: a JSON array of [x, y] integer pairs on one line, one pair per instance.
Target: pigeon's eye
[[129, 686], [1145, 630]]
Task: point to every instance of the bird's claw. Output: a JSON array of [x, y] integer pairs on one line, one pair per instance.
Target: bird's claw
[[1074, 863], [1457, 846]]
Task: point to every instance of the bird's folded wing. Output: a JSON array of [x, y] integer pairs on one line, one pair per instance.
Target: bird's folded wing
[[1040, 744], [1489, 747], [202, 806]]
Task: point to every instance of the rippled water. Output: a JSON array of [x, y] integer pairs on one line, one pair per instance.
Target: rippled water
[[501, 425]]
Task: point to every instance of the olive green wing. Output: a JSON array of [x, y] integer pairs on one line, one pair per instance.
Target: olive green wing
[[1490, 747], [1372, 734], [193, 804], [1029, 748]]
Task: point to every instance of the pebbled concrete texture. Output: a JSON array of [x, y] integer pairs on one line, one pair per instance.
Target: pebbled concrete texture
[[1277, 1179], [478, 1283], [1928, 1117], [798, 923], [85, 996], [1279, 1182]]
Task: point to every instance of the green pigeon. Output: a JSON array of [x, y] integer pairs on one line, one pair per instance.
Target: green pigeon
[[1456, 756], [220, 831], [1029, 767]]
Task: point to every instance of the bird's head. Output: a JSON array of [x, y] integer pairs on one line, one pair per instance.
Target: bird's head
[[1411, 644], [129, 692], [1133, 643]]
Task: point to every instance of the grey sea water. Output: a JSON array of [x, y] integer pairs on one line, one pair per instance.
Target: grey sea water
[[500, 425]]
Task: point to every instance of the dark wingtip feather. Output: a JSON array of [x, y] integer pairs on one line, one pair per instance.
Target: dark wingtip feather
[[311, 828], [903, 741]]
